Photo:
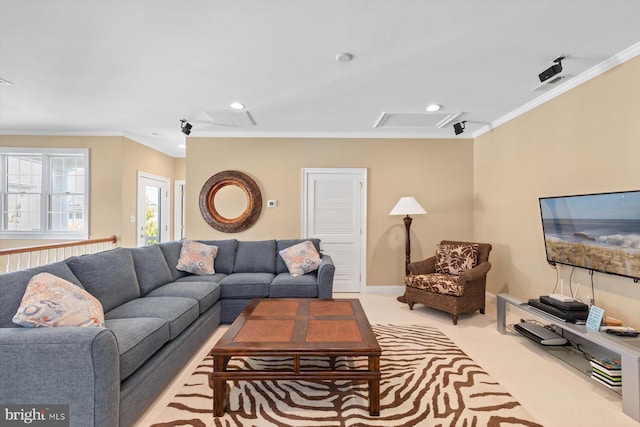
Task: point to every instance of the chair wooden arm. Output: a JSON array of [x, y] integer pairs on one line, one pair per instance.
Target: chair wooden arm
[[426, 266]]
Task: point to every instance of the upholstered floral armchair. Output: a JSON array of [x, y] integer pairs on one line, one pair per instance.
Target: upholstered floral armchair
[[454, 280]]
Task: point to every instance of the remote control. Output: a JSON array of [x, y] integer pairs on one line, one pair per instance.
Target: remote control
[[618, 328], [623, 333]]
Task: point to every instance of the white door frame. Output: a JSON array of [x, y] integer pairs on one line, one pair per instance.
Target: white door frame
[[179, 209], [363, 210], [165, 215]]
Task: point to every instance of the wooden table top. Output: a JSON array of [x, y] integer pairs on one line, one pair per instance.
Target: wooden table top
[[300, 326]]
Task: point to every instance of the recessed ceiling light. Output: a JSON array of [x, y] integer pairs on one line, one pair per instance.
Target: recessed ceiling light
[[433, 107], [237, 106], [182, 146], [344, 57]]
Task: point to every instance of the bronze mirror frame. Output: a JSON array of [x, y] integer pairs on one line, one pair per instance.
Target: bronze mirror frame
[[207, 201]]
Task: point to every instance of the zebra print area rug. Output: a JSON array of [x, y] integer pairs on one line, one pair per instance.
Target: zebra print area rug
[[426, 380]]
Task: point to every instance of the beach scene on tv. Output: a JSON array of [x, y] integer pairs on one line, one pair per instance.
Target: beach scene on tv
[[597, 232]]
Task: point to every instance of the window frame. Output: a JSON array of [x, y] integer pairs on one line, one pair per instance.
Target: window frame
[[45, 205]]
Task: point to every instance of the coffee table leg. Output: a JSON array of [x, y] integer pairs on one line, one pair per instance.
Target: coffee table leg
[[374, 386], [219, 387], [332, 362]]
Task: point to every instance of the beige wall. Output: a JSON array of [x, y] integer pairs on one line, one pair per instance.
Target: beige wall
[[585, 141], [179, 169], [438, 173], [114, 164]]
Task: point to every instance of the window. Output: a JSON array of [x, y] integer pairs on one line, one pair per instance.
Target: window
[[45, 193]]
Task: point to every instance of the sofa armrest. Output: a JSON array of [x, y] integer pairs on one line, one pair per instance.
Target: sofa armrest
[[71, 366], [476, 273], [326, 272], [426, 266]]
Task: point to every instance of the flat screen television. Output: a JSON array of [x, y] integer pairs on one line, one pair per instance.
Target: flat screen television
[[599, 232]]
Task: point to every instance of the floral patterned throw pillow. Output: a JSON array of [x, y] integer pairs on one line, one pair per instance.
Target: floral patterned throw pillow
[[455, 259], [301, 258], [51, 301], [197, 258]]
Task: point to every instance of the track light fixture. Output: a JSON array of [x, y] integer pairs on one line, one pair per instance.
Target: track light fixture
[[552, 71], [185, 127], [458, 128]]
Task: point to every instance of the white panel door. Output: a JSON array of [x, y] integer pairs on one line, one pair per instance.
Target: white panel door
[[334, 202]]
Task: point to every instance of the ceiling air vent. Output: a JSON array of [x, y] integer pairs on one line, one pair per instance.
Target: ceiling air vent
[[437, 120], [237, 119]]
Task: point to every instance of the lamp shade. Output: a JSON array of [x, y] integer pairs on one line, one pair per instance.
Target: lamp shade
[[407, 206]]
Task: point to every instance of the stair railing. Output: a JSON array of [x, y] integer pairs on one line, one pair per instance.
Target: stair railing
[[15, 259]]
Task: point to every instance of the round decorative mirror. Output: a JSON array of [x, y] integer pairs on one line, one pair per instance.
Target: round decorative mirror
[[230, 201]]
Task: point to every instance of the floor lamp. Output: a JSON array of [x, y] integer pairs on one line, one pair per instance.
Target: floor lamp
[[407, 206]]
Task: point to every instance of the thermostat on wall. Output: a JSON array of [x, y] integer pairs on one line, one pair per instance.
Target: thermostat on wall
[[272, 203]]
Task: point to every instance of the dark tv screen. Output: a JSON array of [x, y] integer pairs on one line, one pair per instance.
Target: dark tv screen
[[599, 232]]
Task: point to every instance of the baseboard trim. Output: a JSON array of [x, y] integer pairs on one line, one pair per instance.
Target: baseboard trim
[[385, 290], [399, 290]]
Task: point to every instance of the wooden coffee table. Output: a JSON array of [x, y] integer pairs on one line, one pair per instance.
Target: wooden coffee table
[[298, 328]]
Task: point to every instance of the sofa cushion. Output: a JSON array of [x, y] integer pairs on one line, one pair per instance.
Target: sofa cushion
[[284, 285], [108, 276], [281, 267], [455, 259], [256, 257], [151, 268], [52, 301], [171, 253], [197, 258], [13, 286], [206, 293], [138, 340], [246, 285], [226, 258], [301, 258], [179, 312]]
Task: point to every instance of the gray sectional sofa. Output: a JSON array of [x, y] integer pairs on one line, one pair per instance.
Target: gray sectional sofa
[[156, 318]]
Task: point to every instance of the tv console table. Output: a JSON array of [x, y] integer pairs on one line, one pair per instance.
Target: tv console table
[[626, 348]]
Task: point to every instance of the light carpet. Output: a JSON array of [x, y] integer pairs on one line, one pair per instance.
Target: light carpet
[[426, 381]]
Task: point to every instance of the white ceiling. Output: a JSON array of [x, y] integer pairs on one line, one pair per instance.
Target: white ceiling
[[136, 67]]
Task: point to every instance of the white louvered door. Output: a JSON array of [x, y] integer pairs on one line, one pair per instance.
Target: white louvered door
[[334, 202]]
